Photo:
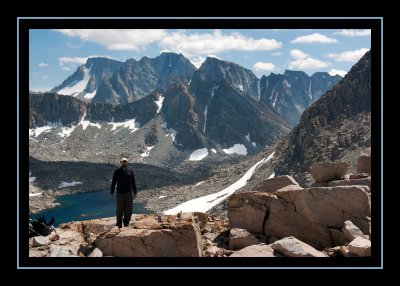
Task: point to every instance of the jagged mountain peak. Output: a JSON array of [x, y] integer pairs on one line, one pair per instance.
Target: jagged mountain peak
[[137, 79]]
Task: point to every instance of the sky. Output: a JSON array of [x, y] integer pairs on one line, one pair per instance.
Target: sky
[[56, 54]]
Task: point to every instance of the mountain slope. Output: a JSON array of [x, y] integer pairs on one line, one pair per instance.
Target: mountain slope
[[85, 81], [53, 109], [229, 114], [136, 79], [289, 94], [335, 127]]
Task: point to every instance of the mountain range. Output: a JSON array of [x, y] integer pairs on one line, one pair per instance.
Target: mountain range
[[220, 108]]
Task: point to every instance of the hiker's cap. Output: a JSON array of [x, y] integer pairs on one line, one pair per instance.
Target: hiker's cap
[[124, 160]]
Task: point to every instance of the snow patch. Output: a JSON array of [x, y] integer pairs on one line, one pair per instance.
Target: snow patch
[[131, 124], [198, 155], [203, 204], [189, 82], [248, 136], [32, 179], [309, 90], [66, 184], [39, 130], [254, 144], [160, 197], [199, 183], [286, 83], [214, 151], [76, 87], [206, 109], [35, 194], [241, 87], [90, 95], [272, 176], [66, 131], [237, 148], [159, 103], [147, 153]]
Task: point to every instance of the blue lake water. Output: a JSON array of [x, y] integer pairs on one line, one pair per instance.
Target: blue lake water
[[85, 206]]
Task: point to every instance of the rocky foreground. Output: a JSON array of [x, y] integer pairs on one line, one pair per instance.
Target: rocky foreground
[[278, 218]]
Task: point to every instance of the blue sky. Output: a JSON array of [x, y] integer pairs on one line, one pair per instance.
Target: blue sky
[[55, 54]]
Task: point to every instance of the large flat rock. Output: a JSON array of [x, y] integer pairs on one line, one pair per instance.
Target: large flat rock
[[327, 171]]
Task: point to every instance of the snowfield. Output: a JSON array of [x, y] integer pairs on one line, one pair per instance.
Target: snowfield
[[147, 153], [131, 124], [198, 155], [159, 103], [77, 87], [236, 149], [35, 194], [203, 204]]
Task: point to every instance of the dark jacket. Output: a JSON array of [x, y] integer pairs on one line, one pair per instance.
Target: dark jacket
[[125, 181]]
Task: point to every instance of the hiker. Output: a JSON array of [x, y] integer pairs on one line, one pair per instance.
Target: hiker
[[126, 192]]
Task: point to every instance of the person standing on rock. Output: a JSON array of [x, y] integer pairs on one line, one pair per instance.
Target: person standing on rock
[[126, 192]]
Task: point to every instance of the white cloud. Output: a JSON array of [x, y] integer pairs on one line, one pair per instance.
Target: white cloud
[[43, 65], [276, 54], [314, 38], [334, 72], [118, 39], [354, 33], [197, 61], [348, 56], [78, 60], [298, 54], [73, 60], [260, 66], [66, 68], [177, 41], [45, 77], [303, 61], [203, 44], [308, 64]]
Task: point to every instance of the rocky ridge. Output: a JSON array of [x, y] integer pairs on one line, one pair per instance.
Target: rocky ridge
[[290, 221]]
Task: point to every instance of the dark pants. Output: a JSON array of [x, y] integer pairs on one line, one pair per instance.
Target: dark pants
[[124, 208]]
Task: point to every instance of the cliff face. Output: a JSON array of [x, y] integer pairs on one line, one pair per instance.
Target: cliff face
[[54, 109], [335, 127]]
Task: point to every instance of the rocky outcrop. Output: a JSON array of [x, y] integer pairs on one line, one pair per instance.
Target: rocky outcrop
[[273, 184], [292, 247], [40, 241], [54, 109], [351, 182], [327, 171], [144, 237], [178, 238], [360, 247], [335, 127], [241, 238], [351, 232], [256, 251], [364, 162], [307, 214]]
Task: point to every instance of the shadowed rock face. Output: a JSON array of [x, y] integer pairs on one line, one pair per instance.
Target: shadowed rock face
[[289, 94], [336, 126], [51, 108], [136, 79]]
